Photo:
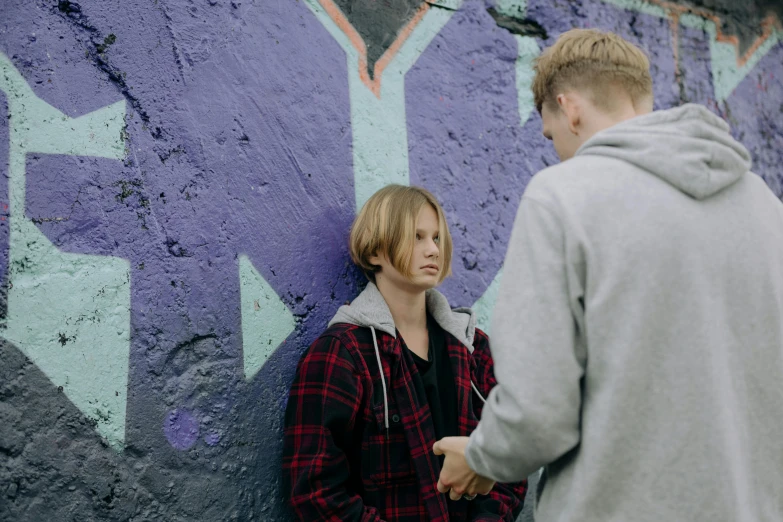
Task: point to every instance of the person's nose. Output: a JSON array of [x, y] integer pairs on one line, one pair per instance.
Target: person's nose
[[432, 249]]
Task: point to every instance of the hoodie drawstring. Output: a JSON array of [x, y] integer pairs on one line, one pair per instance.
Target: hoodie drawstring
[[478, 393], [383, 382]]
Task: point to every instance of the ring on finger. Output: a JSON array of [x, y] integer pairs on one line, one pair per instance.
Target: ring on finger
[[469, 497]]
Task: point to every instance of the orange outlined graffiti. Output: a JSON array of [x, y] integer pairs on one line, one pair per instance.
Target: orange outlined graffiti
[[675, 11], [374, 83]]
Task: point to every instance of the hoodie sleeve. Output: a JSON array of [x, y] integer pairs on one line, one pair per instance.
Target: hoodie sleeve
[[320, 416], [505, 501], [531, 417]]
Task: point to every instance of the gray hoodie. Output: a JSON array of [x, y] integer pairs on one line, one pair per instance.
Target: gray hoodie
[[369, 310], [638, 332]]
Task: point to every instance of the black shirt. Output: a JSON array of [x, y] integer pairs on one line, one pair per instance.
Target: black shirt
[[440, 387], [439, 384]]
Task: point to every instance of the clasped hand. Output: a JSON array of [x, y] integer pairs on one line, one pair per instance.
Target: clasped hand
[[456, 477]]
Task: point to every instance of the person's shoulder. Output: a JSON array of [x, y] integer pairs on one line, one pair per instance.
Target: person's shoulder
[[338, 340], [481, 336], [481, 361], [761, 189], [481, 345], [340, 331], [343, 340], [562, 176], [572, 183], [548, 185]]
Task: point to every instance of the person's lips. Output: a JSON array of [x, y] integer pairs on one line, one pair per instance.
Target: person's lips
[[431, 267]]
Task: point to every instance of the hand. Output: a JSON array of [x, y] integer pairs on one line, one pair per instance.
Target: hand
[[456, 477]]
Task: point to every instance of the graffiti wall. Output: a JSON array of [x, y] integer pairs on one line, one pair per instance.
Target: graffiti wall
[[177, 182]]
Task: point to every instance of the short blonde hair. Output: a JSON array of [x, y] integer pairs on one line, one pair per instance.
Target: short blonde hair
[[588, 59], [386, 225]]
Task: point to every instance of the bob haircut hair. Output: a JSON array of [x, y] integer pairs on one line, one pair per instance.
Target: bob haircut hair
[[386, 225], [594, 61]]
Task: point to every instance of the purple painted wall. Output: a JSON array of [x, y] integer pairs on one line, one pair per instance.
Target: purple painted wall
[[239, 141]]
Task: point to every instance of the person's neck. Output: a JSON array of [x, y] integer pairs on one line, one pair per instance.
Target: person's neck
[[599, 120], [408, 308]]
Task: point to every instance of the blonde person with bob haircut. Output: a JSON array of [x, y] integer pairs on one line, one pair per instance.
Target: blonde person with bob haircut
[[638, 330], [396, 370]]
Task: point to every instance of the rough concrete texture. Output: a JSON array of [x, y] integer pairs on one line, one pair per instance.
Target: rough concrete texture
[[178, 178]]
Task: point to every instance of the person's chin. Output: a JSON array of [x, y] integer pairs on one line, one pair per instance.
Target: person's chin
[[427, 281]]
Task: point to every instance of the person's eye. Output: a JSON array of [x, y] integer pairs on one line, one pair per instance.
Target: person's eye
[[418, 237], [437, 240]]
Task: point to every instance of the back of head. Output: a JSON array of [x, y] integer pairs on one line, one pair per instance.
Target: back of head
[[597, 63]]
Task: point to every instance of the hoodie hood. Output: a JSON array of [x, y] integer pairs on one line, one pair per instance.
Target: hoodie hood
[[689, 147], [369, 310]]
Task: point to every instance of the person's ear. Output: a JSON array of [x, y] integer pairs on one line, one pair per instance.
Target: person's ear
[[571, 109], [375, 260]]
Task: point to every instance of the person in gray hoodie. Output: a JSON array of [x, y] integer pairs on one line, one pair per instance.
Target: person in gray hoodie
[[638, 331]]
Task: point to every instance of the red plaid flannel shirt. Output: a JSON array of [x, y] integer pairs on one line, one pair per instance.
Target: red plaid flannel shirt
[[339, 462]]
